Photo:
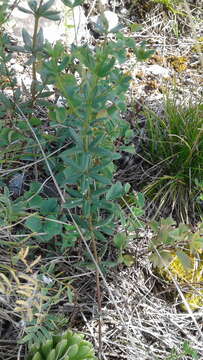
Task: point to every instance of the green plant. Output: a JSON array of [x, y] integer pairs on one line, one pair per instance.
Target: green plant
[[145, 7], [186, 350], [16, 144], [174, 148], [170, 5], [169, 240], [76, 152], [87, 164], [9, 211], [177, 251], [33, 296], [68, 346], [134, 204], [199, 185], [4, 7]]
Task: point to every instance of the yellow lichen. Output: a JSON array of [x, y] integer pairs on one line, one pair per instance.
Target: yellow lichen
[[198, 46], [179, 63], [194, 300], [192, 278]]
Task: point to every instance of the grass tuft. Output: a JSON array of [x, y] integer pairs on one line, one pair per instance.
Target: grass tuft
[[174, 147]]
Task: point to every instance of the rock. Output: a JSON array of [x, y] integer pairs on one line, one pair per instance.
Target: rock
[[61, 102], [18, 68], [104, 3], [52, 30], [158, 70], [112, 19], [77, 19]]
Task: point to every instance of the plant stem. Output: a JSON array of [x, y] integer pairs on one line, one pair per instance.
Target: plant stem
[[34, 45], [94, 246], [34, 72], [86, 141]]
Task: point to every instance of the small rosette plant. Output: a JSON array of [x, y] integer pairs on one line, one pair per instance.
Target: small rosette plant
[[177, 253], [68, 346]]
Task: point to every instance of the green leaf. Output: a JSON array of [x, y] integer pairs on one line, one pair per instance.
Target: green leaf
[[49, 206], [75, 136], [100, 236], [115, 192], [106, 152], [120, 240], [74, 165], [27, 38], [61, 114], [64, 63], [84, 162], [46, 347], [32, 5], [35, 202], [140, 200], [135, 27], [96, 141], [68, 240], [52, 355], [197, 242], [164, 235], [85, 351], [46, 5], [51, 228], [70, 178], [98, 192], [37, 356], [84, 54], [143, 54], [184, 259], [40, 39], [130, 149], [75, 193], [85, 184], [127, 187], [161, 259], [154, 226], [102, 70], [51, 15], [73, 150], [35, 121], [72, 3], [107, 229], [5, 100], [67, 85], [168, 221], [73, 203], [86, 208], [72, 351], [137, 211], [128, 259], [98, 168], [107, 205], [26, 11], [34, 223], [101, 179], [35, 187], [61, 348], [25, 339]]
